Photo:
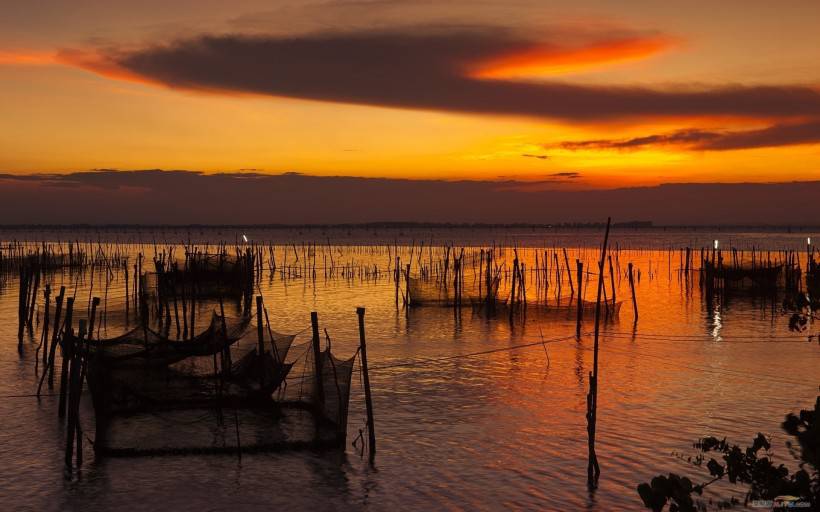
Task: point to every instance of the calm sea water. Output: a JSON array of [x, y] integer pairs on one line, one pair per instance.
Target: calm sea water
[[496, 431]]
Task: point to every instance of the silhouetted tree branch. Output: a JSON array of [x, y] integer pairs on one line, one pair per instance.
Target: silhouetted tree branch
[[752, 467]]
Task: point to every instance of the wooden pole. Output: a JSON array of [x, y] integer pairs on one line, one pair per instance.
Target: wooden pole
[[127, 294], [632, 289], [611, 282], [46, 314], [184, 289], [317, 360], [397, 278], [569, 272], [22, 298], [58, 309], [71, 428], [593, 470], [176, 304], [94, 303], [259, 331], [192, 330], [489, 291], [512, 284], [30, 309], [81, 355], [260, 334], [69, 309], [371, 428], [580, 304]]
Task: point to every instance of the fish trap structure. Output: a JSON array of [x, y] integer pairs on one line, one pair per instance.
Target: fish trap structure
[[207, 275], [571, 305], [479, 284], [230, 388], [424, 292], [762, 275], [457, 283], [813, 277], [16, 257]]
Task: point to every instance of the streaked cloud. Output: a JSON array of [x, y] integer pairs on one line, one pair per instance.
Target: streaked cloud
[[554, 177], [707, 140], [26, 58]]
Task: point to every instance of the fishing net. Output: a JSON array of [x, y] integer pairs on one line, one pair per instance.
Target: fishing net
[[587, 306], [142, 346], [431, 292], [141, 381], [201, 275], [768, 276], [331, 402], [143, 369], [263, 374]]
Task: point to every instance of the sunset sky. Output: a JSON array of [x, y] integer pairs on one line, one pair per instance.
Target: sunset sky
[[591, 93]]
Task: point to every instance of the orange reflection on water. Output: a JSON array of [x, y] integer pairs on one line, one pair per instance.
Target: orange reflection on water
[[491, 414]]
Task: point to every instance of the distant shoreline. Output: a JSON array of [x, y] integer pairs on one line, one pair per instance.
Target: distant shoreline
[[636, 235], [635, 225]]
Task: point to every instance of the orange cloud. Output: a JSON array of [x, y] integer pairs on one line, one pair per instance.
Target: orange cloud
[[553, 60], [26, 58], [99, 63]]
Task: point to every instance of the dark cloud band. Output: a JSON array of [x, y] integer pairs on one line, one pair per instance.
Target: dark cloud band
[[181, 197], [425, 69]]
